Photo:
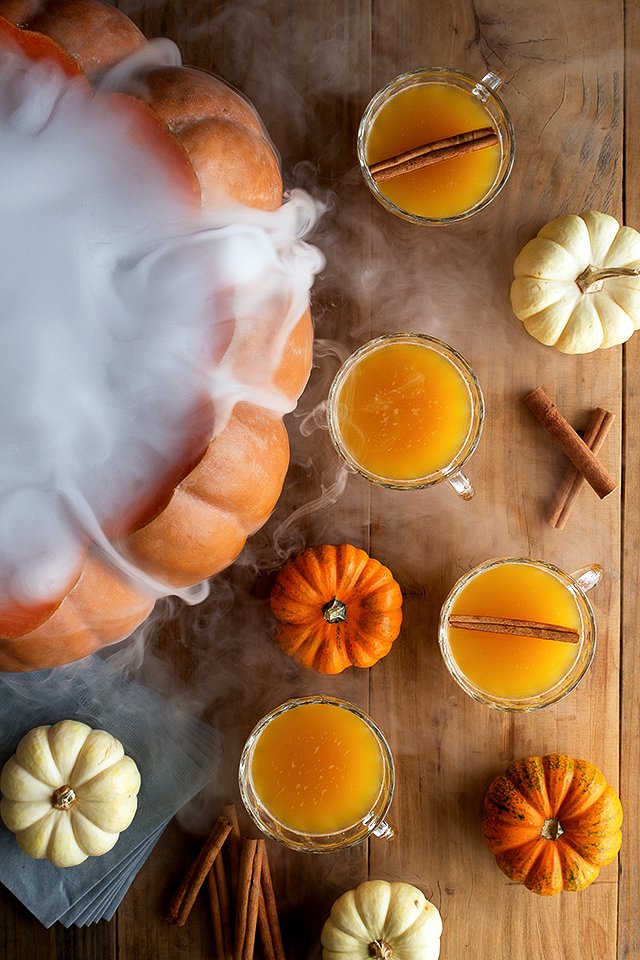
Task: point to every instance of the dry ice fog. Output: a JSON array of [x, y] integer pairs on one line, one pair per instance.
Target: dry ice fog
[[117, 302]]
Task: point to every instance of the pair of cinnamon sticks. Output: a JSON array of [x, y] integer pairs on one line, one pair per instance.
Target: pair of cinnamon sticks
[[242, 877], [255, 889], [581, 452]]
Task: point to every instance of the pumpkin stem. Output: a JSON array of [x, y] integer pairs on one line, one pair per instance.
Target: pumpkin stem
[[592, 279], [335, 611], [64, 797], [551, 829], [380, 950]]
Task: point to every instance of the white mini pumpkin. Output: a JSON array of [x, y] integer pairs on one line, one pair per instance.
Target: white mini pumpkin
[[68, 792], [388, 921], [577, 284]]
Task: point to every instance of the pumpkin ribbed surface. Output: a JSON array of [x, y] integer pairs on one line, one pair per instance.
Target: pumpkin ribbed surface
[[384, 921], [336, 607], [68, 792], [577, 284], [217, 147], [552, 822]]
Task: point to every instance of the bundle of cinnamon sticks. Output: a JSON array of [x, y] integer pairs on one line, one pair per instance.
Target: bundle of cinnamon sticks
[[241, 897]]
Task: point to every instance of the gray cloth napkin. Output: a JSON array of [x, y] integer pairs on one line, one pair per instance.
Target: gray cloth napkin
[[177, 755]]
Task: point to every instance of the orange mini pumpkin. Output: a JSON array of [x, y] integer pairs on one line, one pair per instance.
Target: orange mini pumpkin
[[552, 822], [336, 607]]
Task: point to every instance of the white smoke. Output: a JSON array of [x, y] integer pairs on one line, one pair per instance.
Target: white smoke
[[123, 315]]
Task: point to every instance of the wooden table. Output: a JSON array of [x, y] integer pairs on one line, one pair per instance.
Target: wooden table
[[311, 66]]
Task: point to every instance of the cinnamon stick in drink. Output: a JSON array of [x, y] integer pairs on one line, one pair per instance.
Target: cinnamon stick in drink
[[453, 141], [575, 448], [514, 628], [434, 152], [573, 481]]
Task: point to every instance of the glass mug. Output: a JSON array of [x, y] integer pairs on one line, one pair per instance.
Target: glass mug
[[302, 788], [428, 105], [513, 672], [407, 376]]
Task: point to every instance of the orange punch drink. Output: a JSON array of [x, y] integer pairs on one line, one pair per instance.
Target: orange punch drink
[[317, 774], [406, 411], [432, 106], [532, 667]]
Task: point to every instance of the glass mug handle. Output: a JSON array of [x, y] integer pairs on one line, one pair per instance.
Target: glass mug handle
[[588, 577], [462, 485], [490, 81], [385, 831]]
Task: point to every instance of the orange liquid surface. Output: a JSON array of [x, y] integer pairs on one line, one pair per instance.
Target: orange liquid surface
[[404, 411], [423, 114], [317, 768], [515, 667]]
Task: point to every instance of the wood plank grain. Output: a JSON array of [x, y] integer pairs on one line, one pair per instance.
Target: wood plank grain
[[21, 933], [628, 919], [22, 937]]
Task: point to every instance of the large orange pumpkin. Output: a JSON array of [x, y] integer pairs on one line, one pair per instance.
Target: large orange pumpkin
[[552, 822], [336, 607], [200, 519]]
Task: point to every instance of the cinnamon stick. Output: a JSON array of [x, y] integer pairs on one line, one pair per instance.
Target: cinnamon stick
[[220, 910], [254, 903], [232, 849], [247, 856], [575, 448], [573, 481], [185, 896], [225, 904], [216, 916], [248, 896], [434, 152], [515, 628], [452, 141], [266, 940], [268, 899]]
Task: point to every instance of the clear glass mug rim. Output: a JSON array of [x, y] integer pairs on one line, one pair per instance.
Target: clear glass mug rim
[[477, 412], [489, 84], [374, 823], [592, 573]]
